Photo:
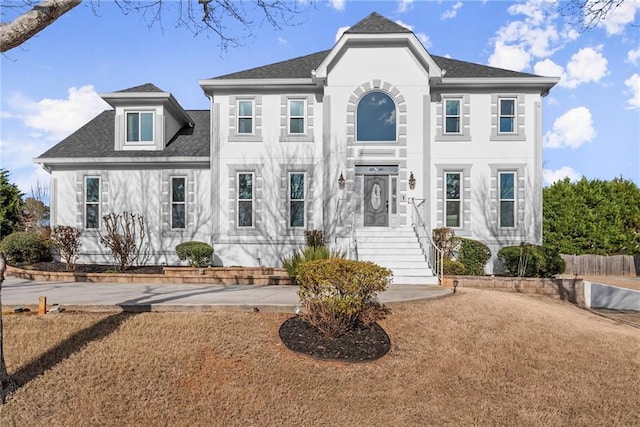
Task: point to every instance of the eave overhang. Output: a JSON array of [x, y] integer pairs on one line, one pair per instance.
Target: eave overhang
[[79, 162], [217, 85], [541, 84]]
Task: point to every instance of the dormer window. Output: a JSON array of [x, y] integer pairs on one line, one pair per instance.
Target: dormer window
[[139, 127]]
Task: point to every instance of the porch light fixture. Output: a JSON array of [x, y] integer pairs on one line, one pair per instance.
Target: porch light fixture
[[341, 181], [412, 181]]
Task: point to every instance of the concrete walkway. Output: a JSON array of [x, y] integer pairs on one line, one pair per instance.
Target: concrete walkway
[[178, 297]]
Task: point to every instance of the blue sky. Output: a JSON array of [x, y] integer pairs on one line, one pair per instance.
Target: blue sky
[[591, 126]]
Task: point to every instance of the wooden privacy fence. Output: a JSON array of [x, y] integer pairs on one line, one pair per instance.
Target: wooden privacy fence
[[601, 265]]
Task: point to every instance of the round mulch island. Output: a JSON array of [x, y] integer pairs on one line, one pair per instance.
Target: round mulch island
[[359, 345]]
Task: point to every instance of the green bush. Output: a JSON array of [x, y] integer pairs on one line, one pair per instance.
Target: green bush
[[531, 261], [197, 254], [473, 255], [339, 295], [25, 246], [308, 253], [453, 268]]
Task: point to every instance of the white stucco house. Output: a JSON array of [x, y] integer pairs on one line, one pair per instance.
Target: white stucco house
[[374, 141]]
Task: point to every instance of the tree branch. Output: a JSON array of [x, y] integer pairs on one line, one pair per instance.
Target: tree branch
[[30, 23]]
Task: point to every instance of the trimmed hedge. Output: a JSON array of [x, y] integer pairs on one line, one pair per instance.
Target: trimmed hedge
[[453, 268], [197, 254], [339, 295], [473, 255], [531, 261], [25, 246]]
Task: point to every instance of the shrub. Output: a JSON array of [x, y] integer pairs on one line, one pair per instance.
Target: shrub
[[197, 254], [314, 238], [124, 236], [473, 255], [66, 240], [25, 246], [339, 295], [531, 261], [453, 268], [308, 253], [445, 240]]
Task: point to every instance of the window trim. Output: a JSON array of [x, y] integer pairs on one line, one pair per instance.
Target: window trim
[[173, 202], [303, 116], [127, 141], [447, 116], [86, 203], [252, 117], [252, 200], [513, 117], [291, 200], [396, 138], [459, 200], [513, 200]]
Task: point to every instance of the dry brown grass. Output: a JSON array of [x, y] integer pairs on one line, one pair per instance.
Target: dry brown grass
[[479, 357]]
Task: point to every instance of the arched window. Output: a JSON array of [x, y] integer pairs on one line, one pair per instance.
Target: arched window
[[376, 118]]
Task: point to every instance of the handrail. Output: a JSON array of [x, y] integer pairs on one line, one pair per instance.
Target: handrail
[[435, 255], [353, 239]]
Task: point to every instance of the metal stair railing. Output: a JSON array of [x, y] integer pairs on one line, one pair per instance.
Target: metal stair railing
[[434, 255], [353, 238]]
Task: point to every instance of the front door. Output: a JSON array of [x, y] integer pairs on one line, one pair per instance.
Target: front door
[[376, 200]]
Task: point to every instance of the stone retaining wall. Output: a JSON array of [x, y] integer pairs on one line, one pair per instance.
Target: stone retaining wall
[[571, 290]]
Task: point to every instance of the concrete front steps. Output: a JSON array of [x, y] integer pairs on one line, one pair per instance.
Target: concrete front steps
[[398, 249]]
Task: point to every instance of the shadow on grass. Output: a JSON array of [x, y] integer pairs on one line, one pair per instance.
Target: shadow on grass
[[74, 344]]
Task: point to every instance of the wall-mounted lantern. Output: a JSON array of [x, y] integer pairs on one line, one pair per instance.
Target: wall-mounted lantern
[[412, 181], [341, 181]]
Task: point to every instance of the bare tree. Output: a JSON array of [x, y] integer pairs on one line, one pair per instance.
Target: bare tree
[[7, 385], [222, 17], [589, 13]]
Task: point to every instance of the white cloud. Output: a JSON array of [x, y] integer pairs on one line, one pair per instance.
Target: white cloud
[[451, 13], [571, 130], [548, 68], [57, 118], [424, 39], [633, 83], [620, 16], [404, 5], [340, 32], [587, 65], [633, 56], [407, 26], [510, 57], [337, 4], [282, 41], [550, 176]]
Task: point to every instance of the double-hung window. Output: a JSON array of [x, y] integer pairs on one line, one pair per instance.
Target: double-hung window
[[507, 115], [507, 200], [178, 202], [297, 111], [453, 199], [296, 199], [245, 199], [91, 202], [139, 127], [246, 117], [452, 116]]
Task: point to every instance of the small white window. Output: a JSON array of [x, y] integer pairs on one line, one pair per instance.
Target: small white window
[[297, 116], [453, 199], [245, 109], [178, 203], [91, 202], [297, 216], [452, 116], [507, 116], [507, 199], [140, 127], [245, 199]]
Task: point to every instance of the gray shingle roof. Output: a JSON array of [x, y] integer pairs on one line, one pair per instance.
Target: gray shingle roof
[[147, 87], [96, 139], [301, 68], [376, 24]]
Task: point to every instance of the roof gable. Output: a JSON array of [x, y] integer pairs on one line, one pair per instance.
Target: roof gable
[[376, 24], [147, 87]]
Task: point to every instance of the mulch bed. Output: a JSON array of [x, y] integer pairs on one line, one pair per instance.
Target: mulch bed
[[91, 268], [358, 345]]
